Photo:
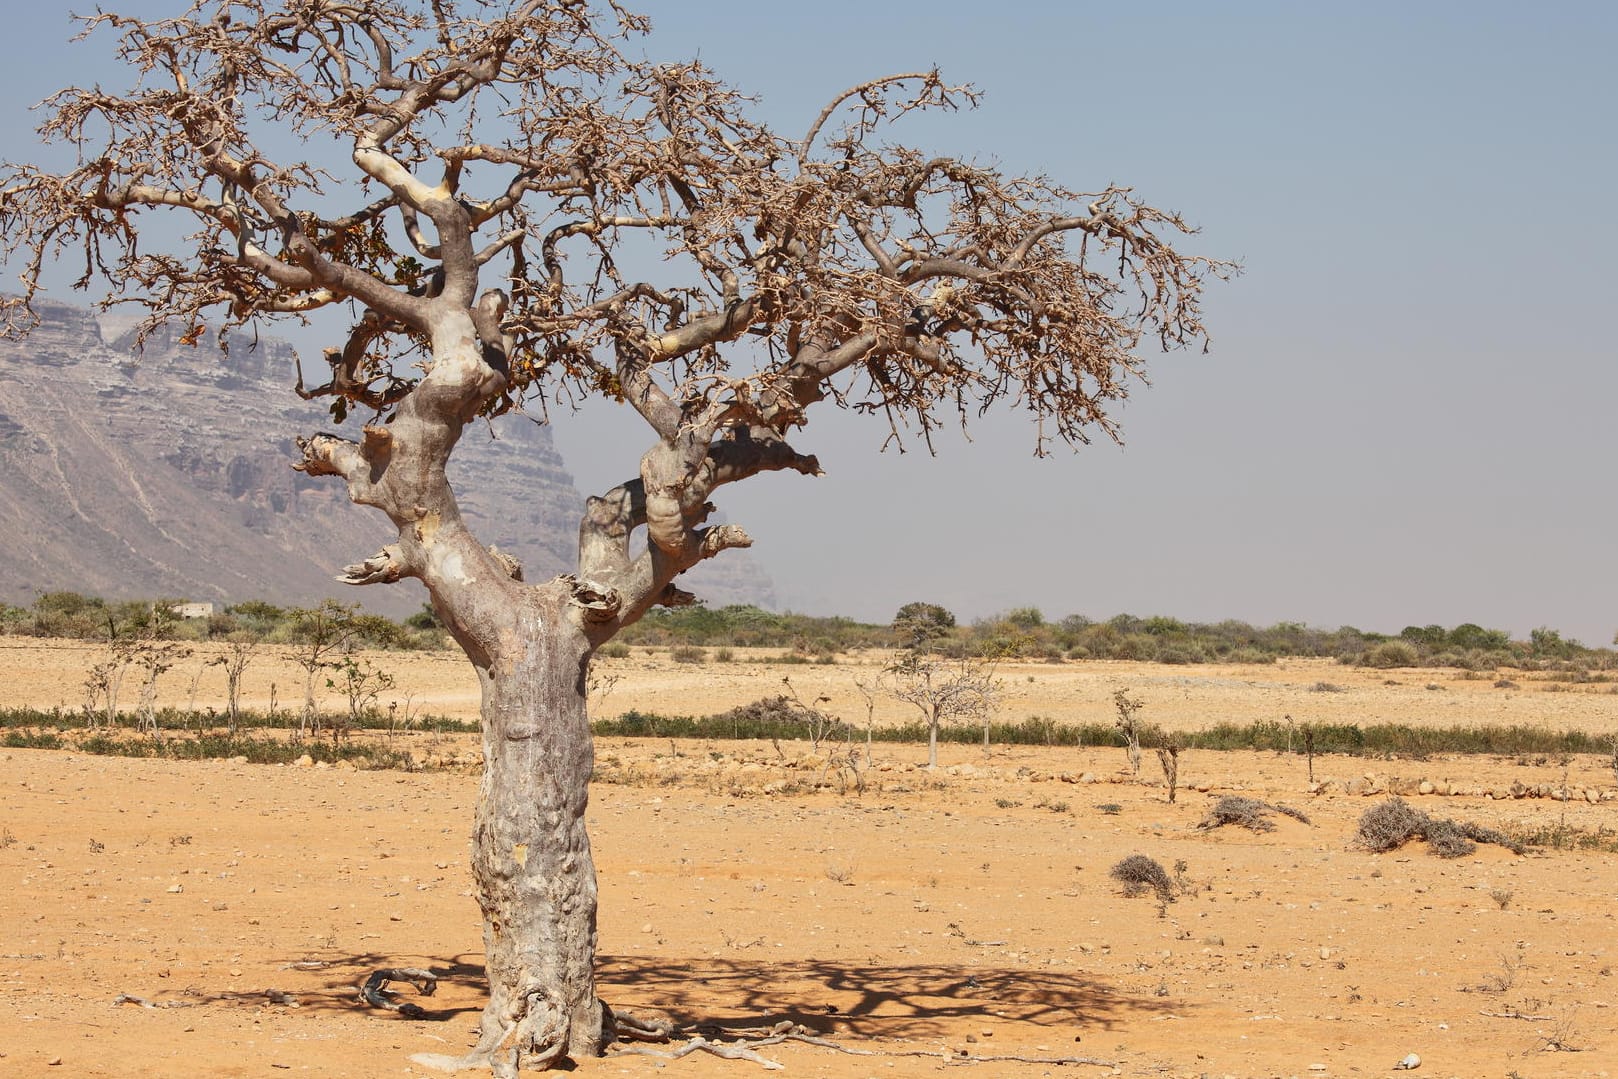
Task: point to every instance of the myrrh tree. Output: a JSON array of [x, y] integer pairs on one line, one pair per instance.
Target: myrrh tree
[[529, 214]]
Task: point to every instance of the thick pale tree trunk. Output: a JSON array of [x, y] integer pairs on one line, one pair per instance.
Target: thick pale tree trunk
[[529, 644], [530, 854]]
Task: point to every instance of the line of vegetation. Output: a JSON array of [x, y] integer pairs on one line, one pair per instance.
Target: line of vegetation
[[197, 723], [1020, 633], [753, 722], [775, 719], [74, 616], [1025, 633], [214, 745]]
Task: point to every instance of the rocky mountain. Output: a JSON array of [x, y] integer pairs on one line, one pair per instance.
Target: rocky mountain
[[166, 473]]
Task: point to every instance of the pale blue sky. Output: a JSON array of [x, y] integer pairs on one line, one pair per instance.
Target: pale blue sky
[[1405, 417]]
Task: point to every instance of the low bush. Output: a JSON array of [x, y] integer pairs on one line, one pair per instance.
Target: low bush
[[1393, 823], [1391, 654], [1138, 874], [1249, 813]]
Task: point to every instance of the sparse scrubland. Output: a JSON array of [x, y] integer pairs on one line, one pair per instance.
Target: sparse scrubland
[[1446, 811]]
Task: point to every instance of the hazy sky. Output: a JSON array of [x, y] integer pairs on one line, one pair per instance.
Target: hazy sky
[[1406, 416]]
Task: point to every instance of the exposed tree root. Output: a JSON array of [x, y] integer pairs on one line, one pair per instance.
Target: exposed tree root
[[536, 1041], [728, 1043], [741, 1043], [1514, 1014], [130, 998], [375, 990]]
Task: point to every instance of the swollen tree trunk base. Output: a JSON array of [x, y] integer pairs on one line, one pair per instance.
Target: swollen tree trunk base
[[540, 1040]]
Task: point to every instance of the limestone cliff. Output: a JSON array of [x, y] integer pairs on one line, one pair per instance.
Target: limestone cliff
[[166, 473]]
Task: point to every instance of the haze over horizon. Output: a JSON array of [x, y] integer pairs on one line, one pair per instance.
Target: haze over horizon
[[1404, 416]]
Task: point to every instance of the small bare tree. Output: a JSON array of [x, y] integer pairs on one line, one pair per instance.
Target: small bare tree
[[474, 186], [240, 650], [1129, 729], [819, 724], [155, 658], [1168, 757], [943, 690], [868, 691], [361, 682], [320, 635], [104, 681]]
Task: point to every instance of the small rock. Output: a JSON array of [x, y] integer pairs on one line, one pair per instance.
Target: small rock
[[1409, 1064], [176, 888]]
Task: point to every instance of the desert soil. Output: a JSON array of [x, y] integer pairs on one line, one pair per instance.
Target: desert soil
[[931, 917]]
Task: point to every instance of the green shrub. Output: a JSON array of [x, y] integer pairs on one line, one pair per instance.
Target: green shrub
[[28, 739], [1391, 654], [1135, 646]]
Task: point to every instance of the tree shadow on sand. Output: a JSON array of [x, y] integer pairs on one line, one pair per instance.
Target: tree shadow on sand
[[916, 1001], [331, 983], [897, 1002]]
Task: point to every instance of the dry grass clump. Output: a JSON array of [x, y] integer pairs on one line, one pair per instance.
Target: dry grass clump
[[1137, 873], [1390, 824], [1250, 813]]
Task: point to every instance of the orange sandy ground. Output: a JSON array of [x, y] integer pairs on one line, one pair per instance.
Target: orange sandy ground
[[963, 911]]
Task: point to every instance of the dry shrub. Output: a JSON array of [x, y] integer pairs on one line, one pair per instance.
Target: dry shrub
[[1294, 812], [1390, 824], [1250, 813], [1137, 873], [1393, 823]]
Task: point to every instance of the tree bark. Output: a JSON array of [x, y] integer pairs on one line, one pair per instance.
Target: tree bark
[[530, 855]]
